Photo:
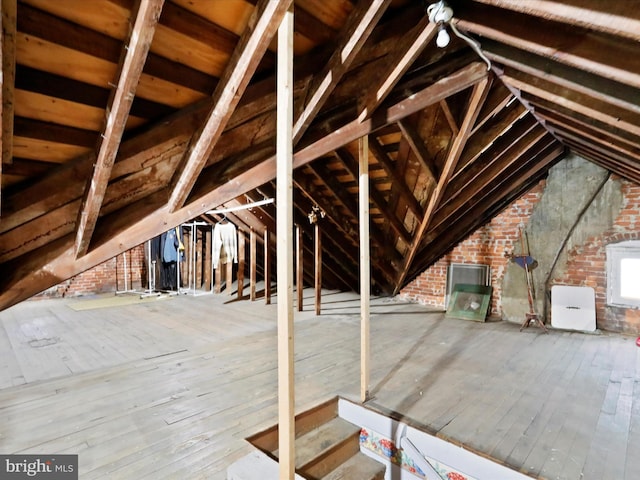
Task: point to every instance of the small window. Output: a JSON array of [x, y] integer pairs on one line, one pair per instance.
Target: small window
[[623, 274]]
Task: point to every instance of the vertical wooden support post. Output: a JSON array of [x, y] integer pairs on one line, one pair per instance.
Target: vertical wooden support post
[[299, 268], [267, 269], [229, 275], [199, 274], [254, 265], [218, 282], [241, 263], [318, 258], [208, 267], [186, 264], [365, 276], [284, 238]]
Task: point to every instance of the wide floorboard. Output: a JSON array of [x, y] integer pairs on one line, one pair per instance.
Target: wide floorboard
[[170, 388]]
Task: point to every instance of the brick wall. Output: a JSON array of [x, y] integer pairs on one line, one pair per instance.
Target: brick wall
[[489, 245], [586, 263], [106, 277]]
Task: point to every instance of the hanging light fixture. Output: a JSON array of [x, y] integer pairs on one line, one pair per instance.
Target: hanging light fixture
[[441, 14]]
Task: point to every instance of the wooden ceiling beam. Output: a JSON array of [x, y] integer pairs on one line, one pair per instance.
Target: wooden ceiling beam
[[491, 205], [583, 82], [622, 157], [630, 114], [309, 26], [306, 186], [480, 92], [615, 18], [51, 132], [37, 23], [396, 65], [453, 125], [416, 143], [23, 167], [387, 164], [145, 15], [141, 220], [376, 197], [338, 192], [491, 130], [485, 171], [582, 108], [580, 122], [55, 86], [360, 24], [493, 153], [564, 43], [587, 136], [8, 79], [168, 139], [604, 160], [252, 46], [487, 203], [498, 99]]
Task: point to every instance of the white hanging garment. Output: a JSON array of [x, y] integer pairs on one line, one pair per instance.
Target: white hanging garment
[[225, 237]]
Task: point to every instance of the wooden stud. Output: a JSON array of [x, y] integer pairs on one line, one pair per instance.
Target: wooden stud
[[253, 265], [199, 260], [7, 85], [299, 267], [218, 279], [267, 268], [318, 269], [229, 275], [365, 268], [208, 265], [241, 264], [284, 201]]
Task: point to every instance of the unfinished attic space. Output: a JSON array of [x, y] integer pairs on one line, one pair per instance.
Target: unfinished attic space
[[320, 239]]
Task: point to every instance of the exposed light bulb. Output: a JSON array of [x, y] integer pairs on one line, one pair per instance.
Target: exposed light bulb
[[443, 38]]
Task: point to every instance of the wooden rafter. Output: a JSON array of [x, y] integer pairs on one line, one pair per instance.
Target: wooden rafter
[[464, 189], [396, 65], [613, 17], [591, 109], [579, 81], [253, 44], [491, 201], [146, 14], [560, 42], [142, 220], [376, 197], [163, 144], [416, 143], [376, 149], [499, 124], [444, 105], [480, 91], [9, 20], [360, 25]]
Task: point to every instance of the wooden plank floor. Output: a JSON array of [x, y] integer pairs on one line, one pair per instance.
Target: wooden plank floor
[[169, 389]]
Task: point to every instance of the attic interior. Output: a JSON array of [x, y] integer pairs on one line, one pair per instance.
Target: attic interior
[[125, 118]]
